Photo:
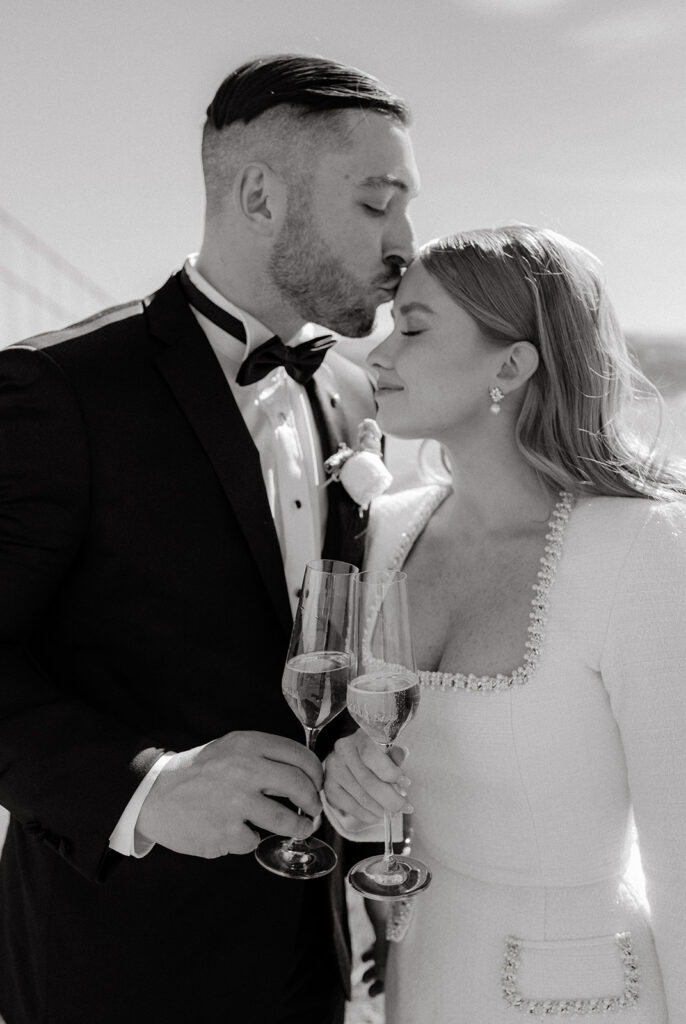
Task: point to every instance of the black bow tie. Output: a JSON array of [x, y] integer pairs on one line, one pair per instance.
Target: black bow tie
[[300, 362]]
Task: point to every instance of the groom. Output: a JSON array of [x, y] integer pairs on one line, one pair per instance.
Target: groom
[[160, 491]]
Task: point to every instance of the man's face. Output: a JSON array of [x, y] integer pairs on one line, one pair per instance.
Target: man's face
[[346, 234]]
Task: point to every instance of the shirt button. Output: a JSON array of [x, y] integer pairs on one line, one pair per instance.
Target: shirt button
[[298, 503], [298, 591]]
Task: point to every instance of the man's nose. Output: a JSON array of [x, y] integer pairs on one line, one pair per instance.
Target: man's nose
[[401, 244]]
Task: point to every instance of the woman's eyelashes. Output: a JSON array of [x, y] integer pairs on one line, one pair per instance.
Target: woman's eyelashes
[[375, 211], [411, 334]]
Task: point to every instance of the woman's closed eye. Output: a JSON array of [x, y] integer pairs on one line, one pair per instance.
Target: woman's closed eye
[[374, 210], [411, 334]]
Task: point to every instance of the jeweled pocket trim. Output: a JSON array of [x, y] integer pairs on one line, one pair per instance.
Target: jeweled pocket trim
[[569, 1007]]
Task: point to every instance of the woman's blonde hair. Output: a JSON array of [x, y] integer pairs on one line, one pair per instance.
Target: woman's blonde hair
[[524, 283]]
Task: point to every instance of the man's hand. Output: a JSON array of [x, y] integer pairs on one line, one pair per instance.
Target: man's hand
[[204, 800], [362, 781]]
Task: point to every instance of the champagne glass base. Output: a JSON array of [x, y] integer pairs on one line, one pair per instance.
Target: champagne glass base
[[311, 858], [406, 878]]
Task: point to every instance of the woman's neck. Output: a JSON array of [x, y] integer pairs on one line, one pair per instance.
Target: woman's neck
[[496, 489]]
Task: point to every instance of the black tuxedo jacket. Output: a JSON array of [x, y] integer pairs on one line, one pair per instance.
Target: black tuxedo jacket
[[143, 607]]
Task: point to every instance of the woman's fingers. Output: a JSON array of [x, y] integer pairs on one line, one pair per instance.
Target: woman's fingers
[[346, 795], [363, 781]]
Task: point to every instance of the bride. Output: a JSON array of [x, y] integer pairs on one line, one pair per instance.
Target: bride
[[547, 589]]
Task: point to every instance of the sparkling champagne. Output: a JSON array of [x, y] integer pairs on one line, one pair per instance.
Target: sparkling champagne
[[382, 702], [315, 685]]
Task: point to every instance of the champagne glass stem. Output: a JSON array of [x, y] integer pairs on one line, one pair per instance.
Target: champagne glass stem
[[389, 856], [299, 846], [310, 736]]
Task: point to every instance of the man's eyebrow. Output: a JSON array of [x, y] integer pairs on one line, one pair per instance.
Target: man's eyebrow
[[384, 181]]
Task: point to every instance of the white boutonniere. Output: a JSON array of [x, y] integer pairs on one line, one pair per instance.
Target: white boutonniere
[[361, 470]]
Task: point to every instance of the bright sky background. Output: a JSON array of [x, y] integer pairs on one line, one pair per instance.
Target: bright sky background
[[564, 113]]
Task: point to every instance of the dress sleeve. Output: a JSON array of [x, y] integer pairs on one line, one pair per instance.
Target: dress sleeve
[[66, 770], [643, 667]]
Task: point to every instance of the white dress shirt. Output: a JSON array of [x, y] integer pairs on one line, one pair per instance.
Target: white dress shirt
[[278, 414]]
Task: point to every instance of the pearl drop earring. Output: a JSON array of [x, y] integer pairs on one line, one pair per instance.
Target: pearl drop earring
[[497, 396]]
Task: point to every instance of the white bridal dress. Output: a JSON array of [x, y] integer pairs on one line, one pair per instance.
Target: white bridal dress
[[525, 786]]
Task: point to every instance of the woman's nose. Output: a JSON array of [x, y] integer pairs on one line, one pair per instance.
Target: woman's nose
[[381, 355]]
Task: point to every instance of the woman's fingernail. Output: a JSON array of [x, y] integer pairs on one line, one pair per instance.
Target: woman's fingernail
[[404, 781], [398, 754], [408, 809]]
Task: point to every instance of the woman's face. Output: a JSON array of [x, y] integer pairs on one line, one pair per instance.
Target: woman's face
[[434, 370]]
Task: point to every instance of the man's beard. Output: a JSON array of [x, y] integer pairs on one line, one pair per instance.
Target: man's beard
[[308, 274]]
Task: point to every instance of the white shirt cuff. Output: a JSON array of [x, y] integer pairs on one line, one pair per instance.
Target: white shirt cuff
[[123, 838]]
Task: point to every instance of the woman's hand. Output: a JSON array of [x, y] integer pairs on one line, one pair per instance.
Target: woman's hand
[[361, 782], [375, 974]]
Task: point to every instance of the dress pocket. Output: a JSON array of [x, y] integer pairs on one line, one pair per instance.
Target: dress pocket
[[572, 976]]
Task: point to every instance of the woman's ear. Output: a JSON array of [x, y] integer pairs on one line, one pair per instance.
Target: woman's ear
[[260, 198], [519, 366]]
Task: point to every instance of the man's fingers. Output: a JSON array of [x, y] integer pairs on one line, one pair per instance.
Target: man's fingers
[[243, 839], [205, 799], [280, 750], [279, 820], [274, 779]]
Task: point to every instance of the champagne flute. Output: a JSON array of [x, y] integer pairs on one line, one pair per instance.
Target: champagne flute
[[320, 663], [382, 699]]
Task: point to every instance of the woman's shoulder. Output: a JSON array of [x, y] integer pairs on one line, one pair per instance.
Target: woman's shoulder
[[633, 528], [601, 513], [397, 519]]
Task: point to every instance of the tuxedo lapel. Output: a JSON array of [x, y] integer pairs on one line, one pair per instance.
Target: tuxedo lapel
[[345, 527], [189, 366]]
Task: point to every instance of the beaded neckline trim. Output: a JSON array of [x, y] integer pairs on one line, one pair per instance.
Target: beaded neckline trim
[[571, 1007], [538, 614]]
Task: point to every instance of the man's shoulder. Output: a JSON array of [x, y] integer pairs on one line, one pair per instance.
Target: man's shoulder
[[118, 317], [113, 333]]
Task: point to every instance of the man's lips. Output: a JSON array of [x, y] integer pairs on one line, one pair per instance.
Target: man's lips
[[389, 286]]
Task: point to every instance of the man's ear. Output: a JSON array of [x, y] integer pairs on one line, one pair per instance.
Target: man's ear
[[260, 198], [519, 366]]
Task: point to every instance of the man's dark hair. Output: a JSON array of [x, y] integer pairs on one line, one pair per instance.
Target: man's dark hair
[[311, 83]]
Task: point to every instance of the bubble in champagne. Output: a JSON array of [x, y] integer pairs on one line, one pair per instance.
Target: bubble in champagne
[[383, 702]]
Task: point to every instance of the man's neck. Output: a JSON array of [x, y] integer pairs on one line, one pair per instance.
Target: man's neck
[[252, 294]]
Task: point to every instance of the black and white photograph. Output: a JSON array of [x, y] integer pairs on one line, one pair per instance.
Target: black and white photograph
[[342, 511]]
